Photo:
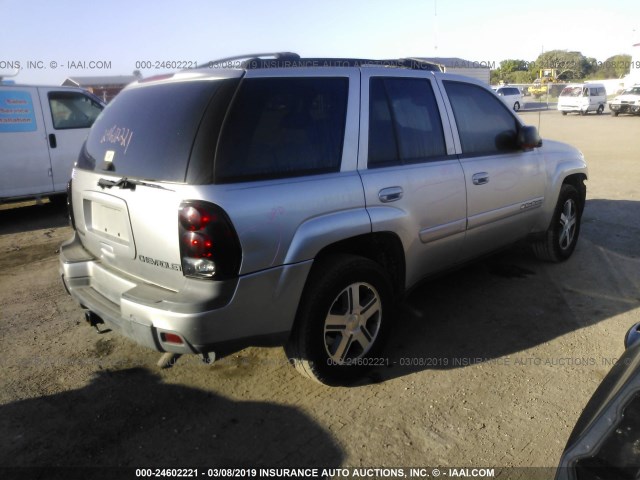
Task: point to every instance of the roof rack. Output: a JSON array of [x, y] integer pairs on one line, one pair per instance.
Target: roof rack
[[290, 60], [242, 61]]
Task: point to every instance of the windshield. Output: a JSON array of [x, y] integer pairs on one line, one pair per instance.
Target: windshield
[[571, 92], [632, 91]]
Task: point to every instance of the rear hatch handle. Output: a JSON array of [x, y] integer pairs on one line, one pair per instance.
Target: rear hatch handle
[[126, 183]]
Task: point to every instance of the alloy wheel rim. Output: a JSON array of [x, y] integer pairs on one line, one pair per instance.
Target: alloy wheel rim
[[568, 222], [352, 323]]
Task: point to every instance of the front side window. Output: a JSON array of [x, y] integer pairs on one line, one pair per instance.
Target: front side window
[[283, 127], [404, 122], [73, 110], [485, 125]]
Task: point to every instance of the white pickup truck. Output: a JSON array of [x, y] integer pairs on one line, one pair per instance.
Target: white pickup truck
[[41, 132]]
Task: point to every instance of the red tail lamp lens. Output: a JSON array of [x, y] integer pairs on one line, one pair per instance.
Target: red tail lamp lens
[[209, 245], [197, 245], [194, 218], [171, 338]]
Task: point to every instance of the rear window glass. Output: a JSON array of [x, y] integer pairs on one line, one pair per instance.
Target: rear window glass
[[148, 132], [283, 127]]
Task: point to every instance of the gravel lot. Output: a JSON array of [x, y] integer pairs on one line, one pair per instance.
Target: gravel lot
[[490, 366]]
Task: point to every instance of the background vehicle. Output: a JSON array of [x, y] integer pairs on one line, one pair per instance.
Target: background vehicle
[[604, 442], [512, 96], [540, 85], [627, 102], [582, 98], [277, 202], [41, 132]]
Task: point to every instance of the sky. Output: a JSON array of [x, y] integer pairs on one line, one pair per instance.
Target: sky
[[55, 39]]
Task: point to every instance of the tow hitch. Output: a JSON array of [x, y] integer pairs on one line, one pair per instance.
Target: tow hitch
[[94, 320]]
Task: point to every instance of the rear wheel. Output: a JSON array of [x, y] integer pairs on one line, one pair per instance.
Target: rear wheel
[[561, 237], [564, 113], [584, 112], [615, 114], [600, 110], [342, 320]]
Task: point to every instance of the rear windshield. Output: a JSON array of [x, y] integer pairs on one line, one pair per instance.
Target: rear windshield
[[148, 132]]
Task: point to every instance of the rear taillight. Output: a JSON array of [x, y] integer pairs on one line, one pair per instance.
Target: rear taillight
[[209, 245], [72, 220]]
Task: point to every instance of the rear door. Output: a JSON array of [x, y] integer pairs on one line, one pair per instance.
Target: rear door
[[24, 155], [68, 116], [505, 185], [414, 184]]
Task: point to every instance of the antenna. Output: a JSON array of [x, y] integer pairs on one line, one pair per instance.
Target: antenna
[[435, 24], [539, 110]]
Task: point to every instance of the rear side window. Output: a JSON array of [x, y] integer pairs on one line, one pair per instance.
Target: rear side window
[[485, 125], [283, 127], [404, 122], [148, 132], [73, 110]]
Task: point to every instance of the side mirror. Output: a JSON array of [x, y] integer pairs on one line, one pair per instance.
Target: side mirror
[[528, 138], [633, 336]]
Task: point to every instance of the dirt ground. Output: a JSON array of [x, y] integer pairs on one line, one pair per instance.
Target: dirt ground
[[490, 365]]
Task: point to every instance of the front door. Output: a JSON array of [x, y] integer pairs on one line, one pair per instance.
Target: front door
[[68, 115], [505, 184]]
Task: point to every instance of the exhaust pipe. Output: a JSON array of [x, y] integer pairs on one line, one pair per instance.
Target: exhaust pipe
[[93, 320]]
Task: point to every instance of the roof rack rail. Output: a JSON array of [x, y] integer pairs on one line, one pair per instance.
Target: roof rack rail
[[289, 59], [422, 64], [243, 60]]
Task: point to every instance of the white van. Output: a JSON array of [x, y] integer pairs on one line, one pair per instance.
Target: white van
[[582, 98], [41, 132]]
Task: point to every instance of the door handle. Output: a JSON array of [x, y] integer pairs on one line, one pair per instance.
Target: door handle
[[390, 194], [480, 178], [53, 143]]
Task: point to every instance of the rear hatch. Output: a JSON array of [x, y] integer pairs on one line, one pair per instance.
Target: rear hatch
[[147, 152]]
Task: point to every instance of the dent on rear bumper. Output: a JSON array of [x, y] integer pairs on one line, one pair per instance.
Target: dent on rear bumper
[[205, 313]]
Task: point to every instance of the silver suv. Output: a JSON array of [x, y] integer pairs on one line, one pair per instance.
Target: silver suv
[[294, 201]]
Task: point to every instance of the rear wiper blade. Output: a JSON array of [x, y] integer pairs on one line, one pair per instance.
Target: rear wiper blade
[[126, 183]]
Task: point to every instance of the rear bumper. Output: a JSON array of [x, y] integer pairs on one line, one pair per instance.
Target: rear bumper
[[207, 315]]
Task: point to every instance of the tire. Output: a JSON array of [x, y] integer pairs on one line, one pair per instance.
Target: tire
[[615, 114], [584, 112], [318, 347], [516, 106], [560, 239], [564, 113], [600, 110], [58, 200]]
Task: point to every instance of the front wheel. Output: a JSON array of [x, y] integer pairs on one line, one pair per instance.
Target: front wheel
[[560, 239], [516, 106], [600, 110], [342, 320]]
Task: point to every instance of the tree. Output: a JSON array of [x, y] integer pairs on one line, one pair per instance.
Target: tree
[[509, 66], [616, 66], [512, 71], [568, 65]]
